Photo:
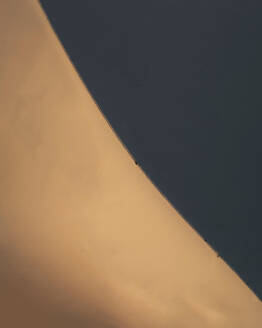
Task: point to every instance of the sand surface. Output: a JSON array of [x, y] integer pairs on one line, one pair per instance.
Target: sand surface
[[86, 240]]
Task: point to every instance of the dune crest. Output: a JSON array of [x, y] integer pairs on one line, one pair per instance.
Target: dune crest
[[86, 240]]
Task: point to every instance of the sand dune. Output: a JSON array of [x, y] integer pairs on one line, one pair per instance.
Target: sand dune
[[86, 240]]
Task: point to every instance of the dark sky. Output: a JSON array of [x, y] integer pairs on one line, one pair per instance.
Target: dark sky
[[179, 81]]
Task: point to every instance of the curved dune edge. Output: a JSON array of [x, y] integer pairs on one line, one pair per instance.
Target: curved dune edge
[[86, 239]]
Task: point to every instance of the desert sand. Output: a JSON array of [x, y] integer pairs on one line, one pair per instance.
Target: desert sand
[[86, 239]]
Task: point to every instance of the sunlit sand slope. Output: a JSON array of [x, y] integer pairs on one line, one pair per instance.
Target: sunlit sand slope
[[86, 240]]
